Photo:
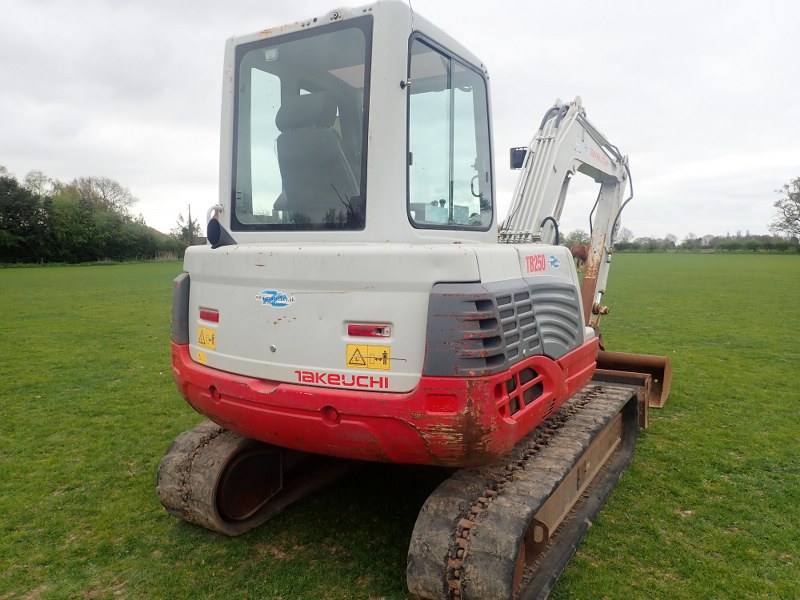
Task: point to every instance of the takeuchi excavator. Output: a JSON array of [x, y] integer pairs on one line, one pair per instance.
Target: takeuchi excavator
[[359, 299]]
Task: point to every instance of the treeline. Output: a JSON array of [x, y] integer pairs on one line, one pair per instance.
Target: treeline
[[712, 243], [86, 220], [89, 220], [626, 242]]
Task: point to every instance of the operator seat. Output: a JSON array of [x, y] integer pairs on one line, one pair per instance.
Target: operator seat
[[317, 178]]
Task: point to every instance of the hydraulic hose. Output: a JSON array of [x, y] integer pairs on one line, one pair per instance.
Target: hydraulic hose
[[555, 225]]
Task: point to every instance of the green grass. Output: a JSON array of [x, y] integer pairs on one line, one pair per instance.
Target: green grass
[[708, 509]]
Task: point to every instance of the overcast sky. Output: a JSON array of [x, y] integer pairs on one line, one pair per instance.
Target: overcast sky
[[704, 97]]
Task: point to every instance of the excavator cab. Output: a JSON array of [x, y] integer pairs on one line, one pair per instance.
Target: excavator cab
[[322, 143]]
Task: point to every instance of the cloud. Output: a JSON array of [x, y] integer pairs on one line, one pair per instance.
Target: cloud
[[701, 96]]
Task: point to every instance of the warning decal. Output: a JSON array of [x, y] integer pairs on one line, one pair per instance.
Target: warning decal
[[364, 356], [206, 337]]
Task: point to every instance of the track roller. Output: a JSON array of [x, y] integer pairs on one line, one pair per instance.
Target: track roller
[[230, 484]]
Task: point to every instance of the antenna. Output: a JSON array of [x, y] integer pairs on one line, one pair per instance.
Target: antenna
[[411, 8]]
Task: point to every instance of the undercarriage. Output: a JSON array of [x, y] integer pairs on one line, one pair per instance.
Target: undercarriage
[[505, 530]]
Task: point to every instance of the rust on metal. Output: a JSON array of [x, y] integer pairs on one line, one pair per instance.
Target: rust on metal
[[642, 382], [591, 271], [468, 441], [614, 366]]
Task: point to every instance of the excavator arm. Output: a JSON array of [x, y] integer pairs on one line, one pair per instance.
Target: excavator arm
[[567, 143]]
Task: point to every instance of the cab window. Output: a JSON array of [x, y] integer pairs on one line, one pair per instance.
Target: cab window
[[300, 116], [449, 168]]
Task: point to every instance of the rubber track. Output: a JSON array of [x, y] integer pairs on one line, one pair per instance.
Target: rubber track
[[468, 534], [189, 477]]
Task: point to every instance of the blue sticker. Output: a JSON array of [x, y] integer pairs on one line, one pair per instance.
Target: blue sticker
[[275, 298], [554, 262]]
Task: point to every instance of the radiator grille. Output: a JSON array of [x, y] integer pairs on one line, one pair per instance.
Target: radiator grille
[[481, 329], [518, 324]]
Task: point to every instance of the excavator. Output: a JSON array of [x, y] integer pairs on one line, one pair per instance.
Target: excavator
[[360, 299]]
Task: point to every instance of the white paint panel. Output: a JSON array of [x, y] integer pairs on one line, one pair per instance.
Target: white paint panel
[[325, 286]]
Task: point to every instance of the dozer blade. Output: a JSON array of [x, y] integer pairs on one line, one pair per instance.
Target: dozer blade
[[507, 530], [636, 369]]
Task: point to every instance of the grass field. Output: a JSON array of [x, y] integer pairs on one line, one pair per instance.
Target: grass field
[[710, 507]]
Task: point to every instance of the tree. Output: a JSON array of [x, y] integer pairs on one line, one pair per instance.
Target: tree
[[38, 183], [182, 230], [788, 217], [579, 236], [752, 245], [624, 235], [74, 227], [647, 244], [42, 219], [691, 242], [23, 222], [729, 244], [104, 192], [669, 241]]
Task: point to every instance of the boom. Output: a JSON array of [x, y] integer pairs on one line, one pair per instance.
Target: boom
[[567, 143]]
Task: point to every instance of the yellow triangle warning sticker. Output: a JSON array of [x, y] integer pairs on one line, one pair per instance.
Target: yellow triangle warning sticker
[[207, 338], [368, 356], [357, 359]]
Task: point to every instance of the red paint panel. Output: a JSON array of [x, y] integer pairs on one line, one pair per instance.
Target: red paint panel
[[451, 421]]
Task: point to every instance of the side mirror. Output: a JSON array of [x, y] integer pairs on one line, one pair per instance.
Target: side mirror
[[217, 235], [518, 157]]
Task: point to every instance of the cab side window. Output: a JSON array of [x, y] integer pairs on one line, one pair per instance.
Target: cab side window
[[449, 170]]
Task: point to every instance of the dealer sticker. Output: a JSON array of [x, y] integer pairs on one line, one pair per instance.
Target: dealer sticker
[[275, 298]]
